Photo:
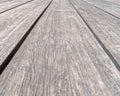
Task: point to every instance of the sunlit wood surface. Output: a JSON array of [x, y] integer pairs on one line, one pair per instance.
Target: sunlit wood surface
[[60, 48]]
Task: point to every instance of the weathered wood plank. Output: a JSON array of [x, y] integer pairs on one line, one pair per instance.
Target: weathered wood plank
[[109, 7], [6, 6], [14, 24], [114, 1], [106, 27], [60, 57], [2, 1]]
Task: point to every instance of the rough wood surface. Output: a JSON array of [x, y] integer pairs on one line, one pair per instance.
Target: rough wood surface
[[60, 57], [114, 1], [109, 7], [3, 1], [15, 23], [105, 26], [6, 6]]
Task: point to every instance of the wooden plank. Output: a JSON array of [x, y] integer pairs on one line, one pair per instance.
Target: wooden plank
[[2, 1], [106, 27], [14, 25], [60, 57], [108, 7], [114, 1], [6, 6]]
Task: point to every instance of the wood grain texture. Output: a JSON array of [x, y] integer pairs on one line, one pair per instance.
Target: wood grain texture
[[3, 1], [60, 57], [109, 7], [14, 24], [114, 1], [105, 26], [6, 6]]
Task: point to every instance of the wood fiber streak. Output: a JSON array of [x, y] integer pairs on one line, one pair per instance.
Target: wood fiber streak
[[14, 24], [105, 26], [60, 57]]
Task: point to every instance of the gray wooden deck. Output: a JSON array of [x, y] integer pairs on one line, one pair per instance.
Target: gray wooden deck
[[59, 48]]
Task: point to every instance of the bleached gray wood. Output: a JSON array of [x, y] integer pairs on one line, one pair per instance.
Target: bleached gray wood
[[15, 23], [5, 6], [105, 26], [109, 7], [114, 1], [2, 1], [60, 57]]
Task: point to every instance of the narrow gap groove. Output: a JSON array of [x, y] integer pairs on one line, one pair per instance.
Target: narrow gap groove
[[99, 41], [102, 10], [16, 6], [13, 52]]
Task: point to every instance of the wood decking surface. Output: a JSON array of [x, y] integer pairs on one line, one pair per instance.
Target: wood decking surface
[[59, 48]]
